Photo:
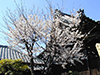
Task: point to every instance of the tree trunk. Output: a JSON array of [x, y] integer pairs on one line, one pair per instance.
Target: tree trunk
[[32, 66]]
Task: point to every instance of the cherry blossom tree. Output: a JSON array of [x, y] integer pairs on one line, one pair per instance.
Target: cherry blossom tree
[[59, 32], [25, 30], [66, 41]]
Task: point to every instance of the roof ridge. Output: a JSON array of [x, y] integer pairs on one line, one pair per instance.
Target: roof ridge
[[13, 49]]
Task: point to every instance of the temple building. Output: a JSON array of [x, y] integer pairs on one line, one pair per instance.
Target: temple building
[[86, 26], [8, 53], [92, 29]]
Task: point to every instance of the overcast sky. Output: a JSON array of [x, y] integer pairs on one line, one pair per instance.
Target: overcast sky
[[91, 8]]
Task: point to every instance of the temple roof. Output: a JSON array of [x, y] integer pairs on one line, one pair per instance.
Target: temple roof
[[8, 53]]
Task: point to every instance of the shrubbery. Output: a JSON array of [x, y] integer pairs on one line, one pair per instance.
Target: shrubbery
[[74, 73], [13, 67]]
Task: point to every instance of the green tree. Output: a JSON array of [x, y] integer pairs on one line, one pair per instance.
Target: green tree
[[13, 67]]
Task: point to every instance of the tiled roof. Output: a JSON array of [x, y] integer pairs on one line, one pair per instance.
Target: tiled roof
[[8, 53]]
